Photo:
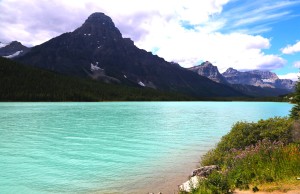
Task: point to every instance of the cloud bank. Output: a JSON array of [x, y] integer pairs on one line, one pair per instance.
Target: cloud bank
[[183, 31], [291, 76]]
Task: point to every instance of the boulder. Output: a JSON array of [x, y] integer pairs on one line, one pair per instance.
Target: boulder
[[197, 175], [204, 171], [190, 184]]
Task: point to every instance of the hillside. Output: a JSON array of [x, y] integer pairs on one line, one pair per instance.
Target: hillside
[[25, 83]]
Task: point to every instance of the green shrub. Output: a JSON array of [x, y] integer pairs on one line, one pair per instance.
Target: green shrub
[[244, 134], [216, 183], [253, 154]]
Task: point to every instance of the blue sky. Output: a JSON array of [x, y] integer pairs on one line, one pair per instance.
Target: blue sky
[[278, 21], [243, 34]]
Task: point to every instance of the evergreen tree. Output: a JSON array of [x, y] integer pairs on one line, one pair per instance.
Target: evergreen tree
[[295, 112]]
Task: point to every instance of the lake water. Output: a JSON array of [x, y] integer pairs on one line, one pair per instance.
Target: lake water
[[125, 147]]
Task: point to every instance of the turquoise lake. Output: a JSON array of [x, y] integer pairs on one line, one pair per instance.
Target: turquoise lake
[[120, 147]]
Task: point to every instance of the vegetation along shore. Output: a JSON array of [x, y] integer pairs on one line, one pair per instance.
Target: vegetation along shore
[[253, 157]]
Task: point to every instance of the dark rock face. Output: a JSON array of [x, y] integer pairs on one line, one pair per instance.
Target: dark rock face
[[285, 84], [208, 70], [265, 75], [97, 50], [264, 79], [13, 49]]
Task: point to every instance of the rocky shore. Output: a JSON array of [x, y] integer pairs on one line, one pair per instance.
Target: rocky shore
[[196, 176]]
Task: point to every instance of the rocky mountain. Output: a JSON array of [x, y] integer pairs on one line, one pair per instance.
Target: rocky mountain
[[13, 49], [265, 79], [97, 50], [285, 84], [252, 83], [210, 71]]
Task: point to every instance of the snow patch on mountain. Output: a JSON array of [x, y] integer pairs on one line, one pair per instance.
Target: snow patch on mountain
[[268, 80], [141, 84], [13, 55], [95, 67]]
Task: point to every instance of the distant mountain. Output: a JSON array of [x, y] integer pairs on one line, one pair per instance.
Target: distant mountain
[[285, 84], [12, 49], [265, 79], [97, 50], [208, 70], [257, 91], [252, 83]]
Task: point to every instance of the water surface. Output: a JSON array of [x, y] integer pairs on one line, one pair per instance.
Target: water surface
[[130, 147]]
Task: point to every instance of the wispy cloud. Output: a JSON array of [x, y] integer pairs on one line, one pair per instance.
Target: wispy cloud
[[257, 16], [259, 19]]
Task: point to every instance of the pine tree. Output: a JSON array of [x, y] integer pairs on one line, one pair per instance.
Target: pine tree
[[295, 112]]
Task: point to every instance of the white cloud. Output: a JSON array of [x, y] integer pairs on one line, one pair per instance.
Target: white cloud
[[297, 64], [188, 47], [35, 16], [291, 76], [291, 49], [153, 25]]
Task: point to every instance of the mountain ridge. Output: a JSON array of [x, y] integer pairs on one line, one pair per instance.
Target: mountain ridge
[[97, 50], [258, 78], [254, 83]]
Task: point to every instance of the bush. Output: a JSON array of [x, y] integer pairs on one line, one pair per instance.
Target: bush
[[244, 134], [216, 183], [295, 112], [252, 154]]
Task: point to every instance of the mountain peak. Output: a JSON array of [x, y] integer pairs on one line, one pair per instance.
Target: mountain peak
[[230, 71], [207, 64], [100, 25], [16, 43], [210, 71], [99, 17], [12, 49], [97, 50]]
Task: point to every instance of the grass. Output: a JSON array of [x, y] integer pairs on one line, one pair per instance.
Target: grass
[[256, 156], [282, 186]]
